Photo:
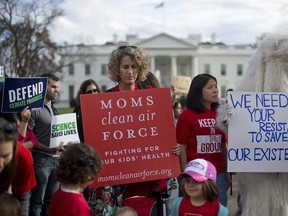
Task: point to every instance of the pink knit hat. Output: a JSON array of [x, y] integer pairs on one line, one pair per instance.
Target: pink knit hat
[[200, 170]]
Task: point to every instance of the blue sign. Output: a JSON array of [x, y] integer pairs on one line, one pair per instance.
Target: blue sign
[[19, 93]]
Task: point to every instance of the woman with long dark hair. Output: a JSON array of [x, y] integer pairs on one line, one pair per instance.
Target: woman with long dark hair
[[197, 132]]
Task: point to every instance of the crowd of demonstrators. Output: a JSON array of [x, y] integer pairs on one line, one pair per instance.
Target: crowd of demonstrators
[[77, 168], [196, 127], [200, 193], [45, 158], [128, 67], [89, 86], [9, 205]]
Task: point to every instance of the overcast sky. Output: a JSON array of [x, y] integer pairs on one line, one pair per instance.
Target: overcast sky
[[233, 21]]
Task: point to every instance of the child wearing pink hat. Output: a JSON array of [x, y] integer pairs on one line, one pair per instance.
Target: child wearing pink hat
[[198, 185]]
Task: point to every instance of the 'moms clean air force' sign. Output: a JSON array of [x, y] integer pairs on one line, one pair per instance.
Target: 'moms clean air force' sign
[[258, 132], [134, 133]]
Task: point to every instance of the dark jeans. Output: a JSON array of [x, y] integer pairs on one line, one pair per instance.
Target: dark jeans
[[47, 184], [221, 183]]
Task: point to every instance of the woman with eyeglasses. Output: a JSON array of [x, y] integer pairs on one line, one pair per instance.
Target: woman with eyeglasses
[[87, 87]]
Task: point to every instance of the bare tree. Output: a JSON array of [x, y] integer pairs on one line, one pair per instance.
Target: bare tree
[[25, 45]]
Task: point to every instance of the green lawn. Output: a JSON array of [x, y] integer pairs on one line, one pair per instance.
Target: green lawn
[[65, 110]]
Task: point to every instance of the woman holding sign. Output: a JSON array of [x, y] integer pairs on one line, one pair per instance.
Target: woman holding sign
[[128, 67], [197, 133]]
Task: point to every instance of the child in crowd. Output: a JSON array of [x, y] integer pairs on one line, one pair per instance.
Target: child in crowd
[[198, 185], [78, 167], [126, 211], [9, 205]]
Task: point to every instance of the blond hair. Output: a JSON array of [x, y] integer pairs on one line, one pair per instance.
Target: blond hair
[[136, 54]]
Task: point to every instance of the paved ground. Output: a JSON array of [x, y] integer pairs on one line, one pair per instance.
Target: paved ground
[[232, 197]]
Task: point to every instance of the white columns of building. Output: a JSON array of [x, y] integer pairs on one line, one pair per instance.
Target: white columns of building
[[152, 64], [195, 68], [174, 66]]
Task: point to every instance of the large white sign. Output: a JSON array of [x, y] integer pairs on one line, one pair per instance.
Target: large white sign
[[63, 129], [258, 132]]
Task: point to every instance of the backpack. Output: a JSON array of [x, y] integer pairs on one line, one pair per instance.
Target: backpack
[[223, 211]]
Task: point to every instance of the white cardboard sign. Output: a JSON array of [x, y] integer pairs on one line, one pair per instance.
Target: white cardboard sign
[[63, 129], [258, 132]]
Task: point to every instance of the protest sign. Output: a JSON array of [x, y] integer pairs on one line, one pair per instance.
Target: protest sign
[[182, 84], [134, 133], [258, 132], [19, 93], [63, 129]]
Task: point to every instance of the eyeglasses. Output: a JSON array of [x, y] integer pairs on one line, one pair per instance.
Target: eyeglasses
[[124, 47], [92, 91]]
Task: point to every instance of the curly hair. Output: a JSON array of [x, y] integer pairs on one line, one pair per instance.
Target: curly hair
[[83, 88], [136, 54], [79, 163], [209, 188]]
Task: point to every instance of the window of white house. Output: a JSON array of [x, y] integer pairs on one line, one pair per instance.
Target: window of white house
[[103, 69], [207, 68], [71, 69], [103, 88], [87, 69], [223, 69], [239, 69], [223, 91], [71, 92]]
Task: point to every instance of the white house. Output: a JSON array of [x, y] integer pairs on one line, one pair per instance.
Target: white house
[[169, 56]]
